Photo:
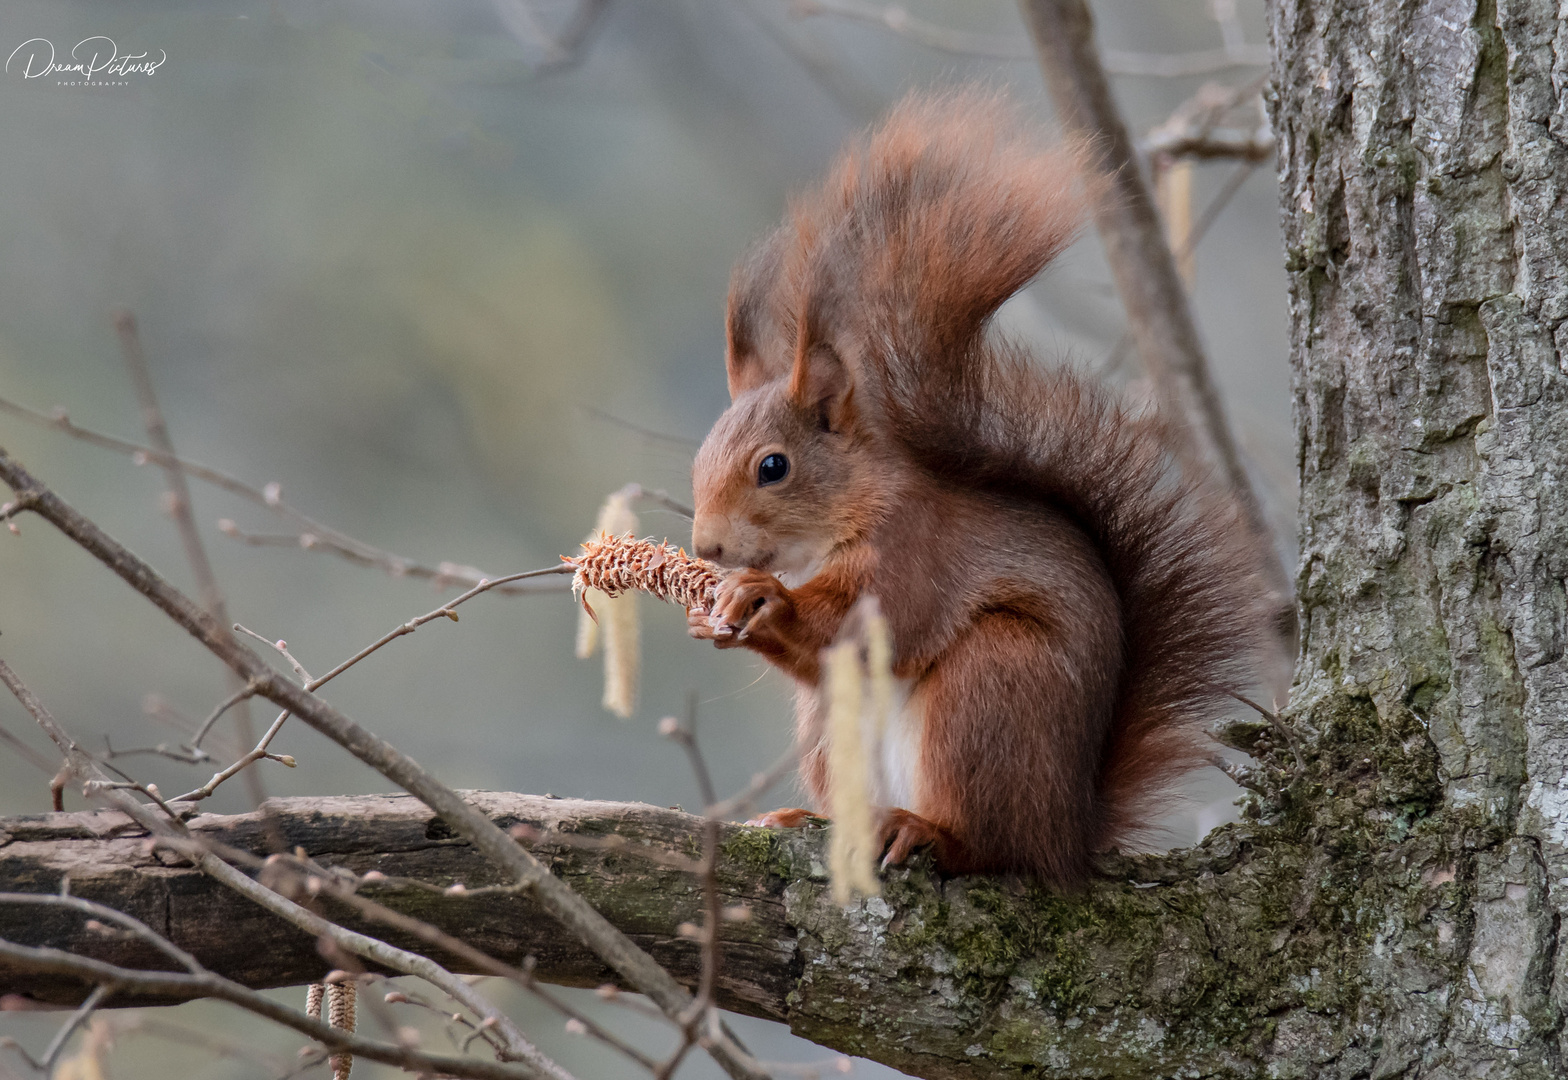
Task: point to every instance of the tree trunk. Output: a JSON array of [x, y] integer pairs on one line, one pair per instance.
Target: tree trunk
[[1422, 175]]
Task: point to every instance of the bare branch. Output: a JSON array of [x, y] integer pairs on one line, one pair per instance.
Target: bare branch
[[77, 1019], [746, 798], [183, 985], [323, 880], [517, 1046], [1216, 145], [640, 969], [897, 19], [1152, 295], [651, 435], [244, 692], [25, 752], [1193, 129], [313, 535], [260, 750], [129, 923]]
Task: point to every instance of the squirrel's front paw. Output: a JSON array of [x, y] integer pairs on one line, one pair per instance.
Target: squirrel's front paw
[[751, 603], [700, 625]]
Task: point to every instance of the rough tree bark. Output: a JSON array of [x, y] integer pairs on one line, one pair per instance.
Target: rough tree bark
[[1391, 906], [1422, 173]]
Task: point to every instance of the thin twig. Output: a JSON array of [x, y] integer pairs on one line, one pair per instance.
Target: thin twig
[[254, 754], [77, 1019], [760, 782], [282, 648], [129, 923], [246, 691], [78, 761], [661, 498], [897, 19], [179, 506], [1278, 725], [330, 884], [651, 435], [517, 1046], [160, 710], [184, 755], [25, 752], [47, 961], [260, 750], [313, 535]]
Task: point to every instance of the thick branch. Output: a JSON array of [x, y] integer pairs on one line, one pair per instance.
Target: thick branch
[[1179, 960]]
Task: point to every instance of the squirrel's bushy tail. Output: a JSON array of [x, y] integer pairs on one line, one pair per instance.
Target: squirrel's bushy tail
[[897, 265]]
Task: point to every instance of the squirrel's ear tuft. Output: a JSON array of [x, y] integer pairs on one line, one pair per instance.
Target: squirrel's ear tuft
[[754, 346], [921, 232], [821, 384]]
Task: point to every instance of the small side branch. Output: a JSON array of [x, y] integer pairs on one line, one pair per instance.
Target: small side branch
[[1159, 318]]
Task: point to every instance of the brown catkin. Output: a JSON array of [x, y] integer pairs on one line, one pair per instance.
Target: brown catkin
[[618, 564], [341, 1014]]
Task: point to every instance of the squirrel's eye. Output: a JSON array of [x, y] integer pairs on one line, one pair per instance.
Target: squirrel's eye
[[772, 469]]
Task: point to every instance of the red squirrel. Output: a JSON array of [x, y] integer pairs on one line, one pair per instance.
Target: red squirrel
[[1066, 606]]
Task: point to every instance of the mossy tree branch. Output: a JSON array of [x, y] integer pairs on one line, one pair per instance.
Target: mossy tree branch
[[1200, 959]]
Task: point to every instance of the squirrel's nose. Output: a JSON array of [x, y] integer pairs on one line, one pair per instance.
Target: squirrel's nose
[[706, 536]]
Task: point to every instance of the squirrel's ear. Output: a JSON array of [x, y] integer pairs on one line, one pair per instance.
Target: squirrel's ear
[[750, 323], [821, 383], [742, 364]]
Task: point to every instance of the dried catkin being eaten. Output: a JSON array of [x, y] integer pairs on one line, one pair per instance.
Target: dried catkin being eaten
[[618, 564]]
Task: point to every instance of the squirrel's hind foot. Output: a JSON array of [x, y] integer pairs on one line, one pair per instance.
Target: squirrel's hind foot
[[792, 817], [904, 832]]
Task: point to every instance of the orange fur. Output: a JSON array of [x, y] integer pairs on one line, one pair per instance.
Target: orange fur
[[1066, 607]]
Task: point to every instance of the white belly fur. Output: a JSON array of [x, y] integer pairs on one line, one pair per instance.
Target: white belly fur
[[899, 783]]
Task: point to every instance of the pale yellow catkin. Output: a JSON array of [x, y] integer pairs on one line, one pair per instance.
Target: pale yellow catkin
[[616, 618], [852, 842], [879, 668], [88, 1061]]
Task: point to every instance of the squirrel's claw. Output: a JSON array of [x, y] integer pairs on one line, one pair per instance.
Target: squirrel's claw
[[792, 817], [704, 627], [748, 601], [903, 833]]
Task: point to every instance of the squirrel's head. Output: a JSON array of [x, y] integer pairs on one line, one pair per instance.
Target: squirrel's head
[[856, 322], [789, 471], [786, 474]]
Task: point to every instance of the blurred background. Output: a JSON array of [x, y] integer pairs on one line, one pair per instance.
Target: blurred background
[[449, 283]]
